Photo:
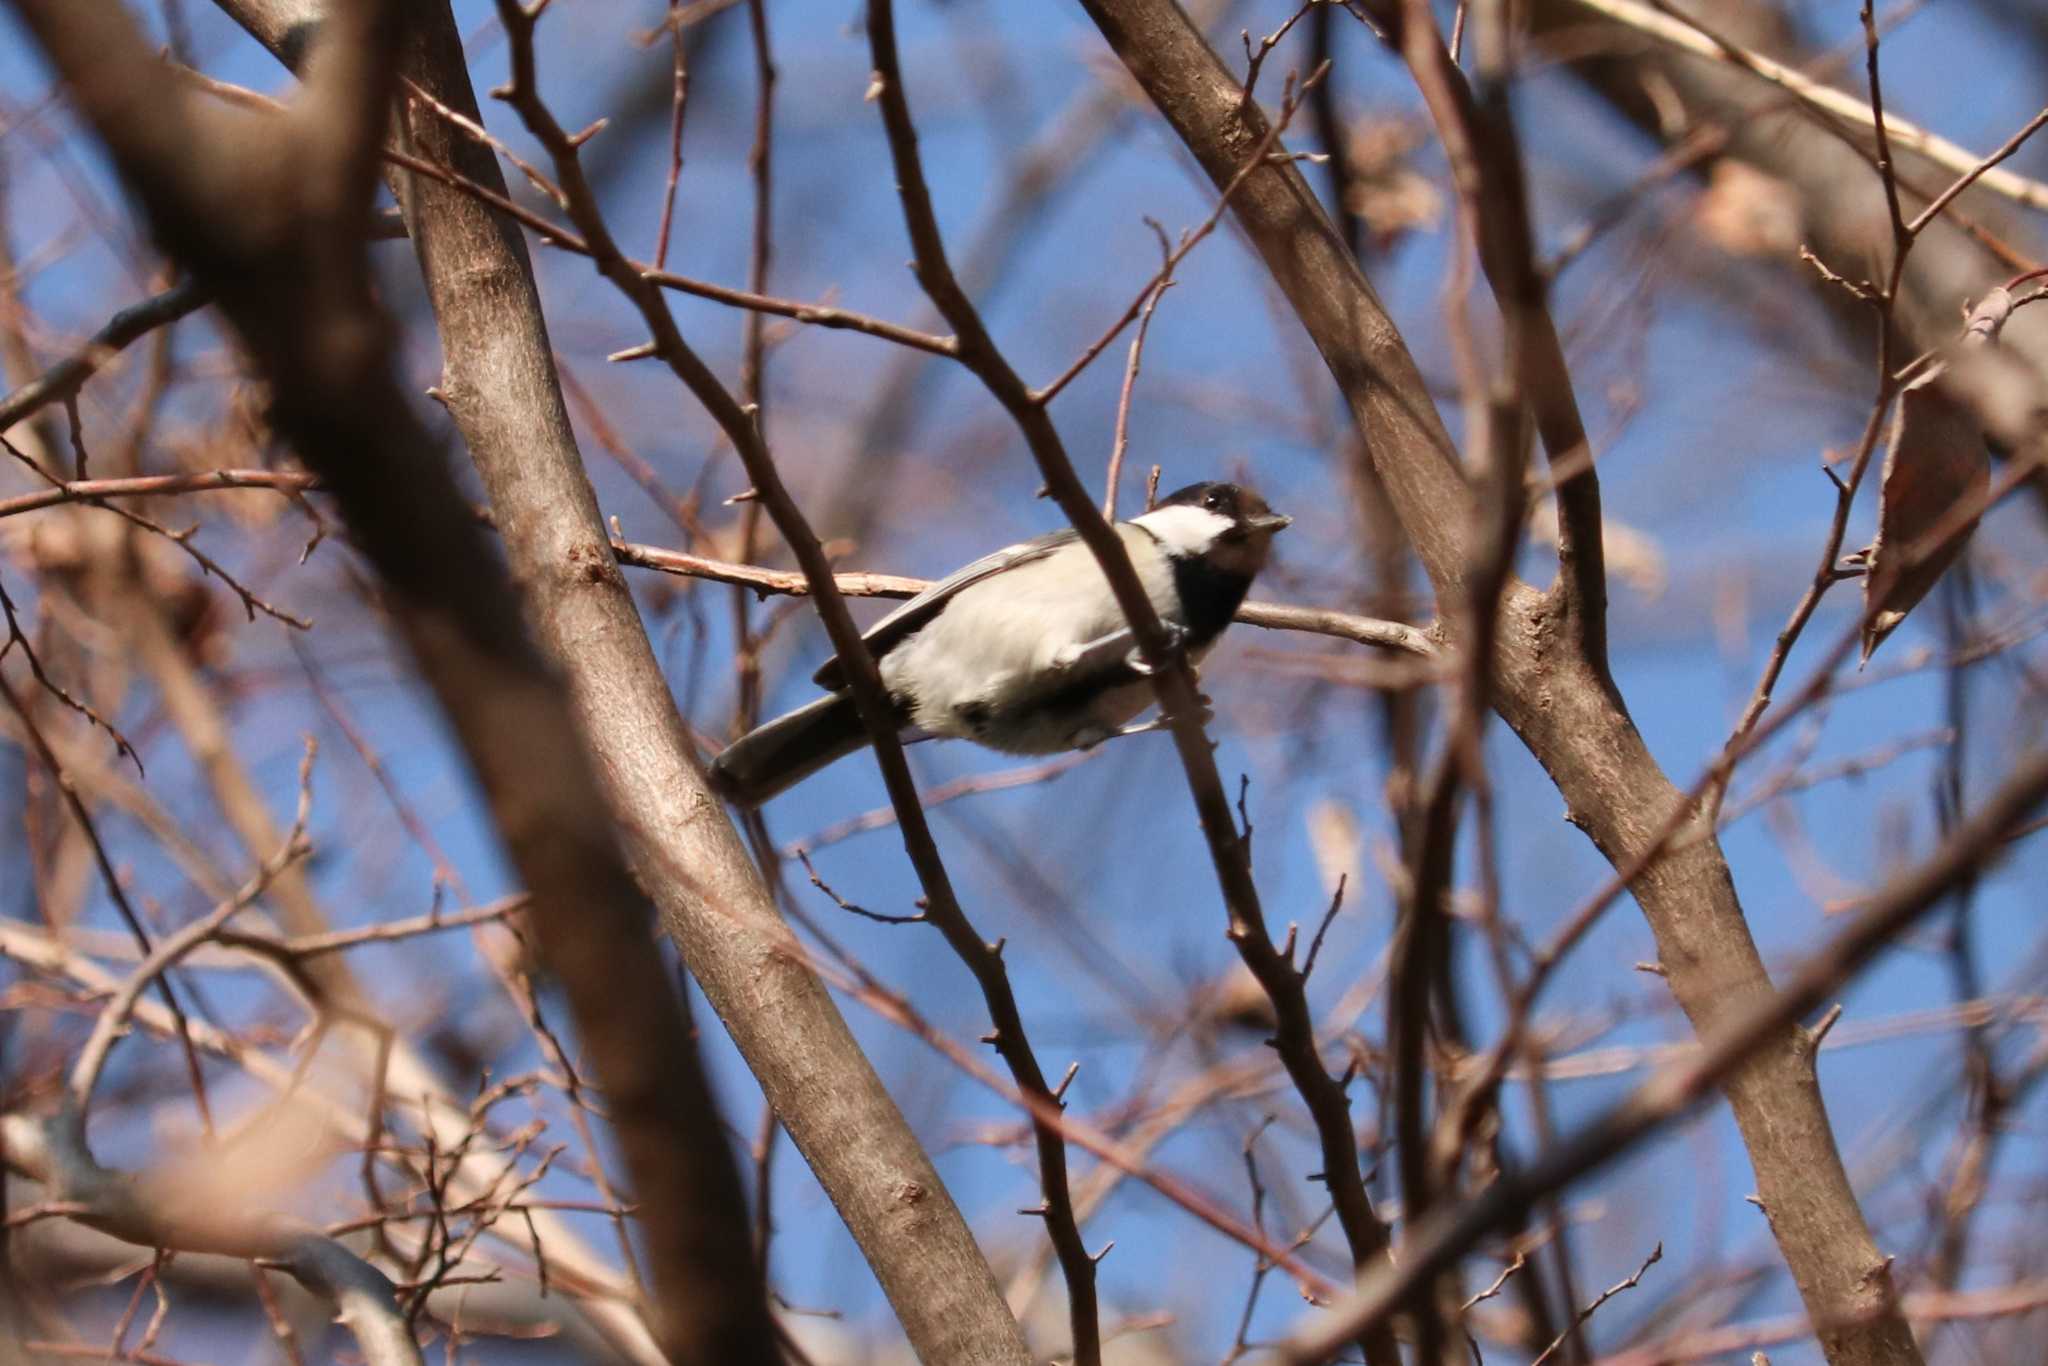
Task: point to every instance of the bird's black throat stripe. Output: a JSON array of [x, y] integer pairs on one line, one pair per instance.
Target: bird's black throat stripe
[[1209, 597]]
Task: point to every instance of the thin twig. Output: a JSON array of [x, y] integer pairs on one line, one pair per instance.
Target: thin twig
[[18, 639], [1678, 1088], [1254, 59], [289, 483], [1366, 1232], [113, 1018], [116, 890], [1886, 167], [1656, 1255], [679, 98], [1189, 240], [843, 904], [1671, 27], [1121, 440], [1976, 173], [62, 381]]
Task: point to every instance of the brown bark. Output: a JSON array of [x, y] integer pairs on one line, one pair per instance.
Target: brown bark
[[1556, 695], [1738, 1040], [500, 385], [271, 215]]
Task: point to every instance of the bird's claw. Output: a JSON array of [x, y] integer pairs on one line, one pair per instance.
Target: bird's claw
[[1176, 643], [1092, 738]]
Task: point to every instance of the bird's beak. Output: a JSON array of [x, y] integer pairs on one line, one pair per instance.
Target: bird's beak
[[1272, 521]]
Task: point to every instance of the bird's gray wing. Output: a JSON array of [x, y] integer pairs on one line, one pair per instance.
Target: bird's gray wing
[[892, 630]]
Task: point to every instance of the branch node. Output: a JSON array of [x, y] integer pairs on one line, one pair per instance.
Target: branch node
[[1819, 1031]]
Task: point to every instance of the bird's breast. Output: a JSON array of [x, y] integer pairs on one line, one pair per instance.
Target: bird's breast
[[983, 668]]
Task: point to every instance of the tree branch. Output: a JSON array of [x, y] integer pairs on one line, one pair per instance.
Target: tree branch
[[154, 1212], [1558, 699], [1678, 1088], [63, 380], [272, 221], [1295, 1041], [500, 385]]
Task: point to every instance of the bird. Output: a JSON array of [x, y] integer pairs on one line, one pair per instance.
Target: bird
[[1026, 651]]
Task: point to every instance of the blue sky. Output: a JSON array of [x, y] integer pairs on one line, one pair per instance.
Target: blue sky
[[1711, 427]]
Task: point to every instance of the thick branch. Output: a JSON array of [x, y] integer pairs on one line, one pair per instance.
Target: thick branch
[[499, 383], [1679, 1087], [1557, 699], [272, 222]]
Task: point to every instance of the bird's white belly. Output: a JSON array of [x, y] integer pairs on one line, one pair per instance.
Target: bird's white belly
[[984, 669]]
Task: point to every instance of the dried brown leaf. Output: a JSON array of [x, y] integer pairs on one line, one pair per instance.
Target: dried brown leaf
[[1935, 462], [1385, 190], [1745, 212]]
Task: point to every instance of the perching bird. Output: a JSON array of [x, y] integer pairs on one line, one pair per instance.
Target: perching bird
[[1026, 651]]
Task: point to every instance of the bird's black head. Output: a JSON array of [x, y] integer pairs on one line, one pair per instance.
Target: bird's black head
[[1216, 536], [1217, 533], [1203, 518], [1233, 502], [1225, 499]]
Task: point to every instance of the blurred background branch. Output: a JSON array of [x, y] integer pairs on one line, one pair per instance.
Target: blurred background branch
[[1407, 243]]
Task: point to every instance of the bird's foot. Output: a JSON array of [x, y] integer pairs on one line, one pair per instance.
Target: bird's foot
[[1084, 656], [1092, 736], [1176, 642]]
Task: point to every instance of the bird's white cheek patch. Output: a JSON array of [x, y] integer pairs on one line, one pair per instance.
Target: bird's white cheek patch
[[1183, 529]]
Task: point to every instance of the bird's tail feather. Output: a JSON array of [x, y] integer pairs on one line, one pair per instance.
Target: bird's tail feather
[[785, 751]]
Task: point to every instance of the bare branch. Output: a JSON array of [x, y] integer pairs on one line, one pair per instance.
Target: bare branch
[[62, 381], [1677, 1088], [272, 222], [1634, 1279], [113, 1019], [1559, 702], [159, 1214], [1178, 703], [288, 483], [937, 1306], [1669, 26]]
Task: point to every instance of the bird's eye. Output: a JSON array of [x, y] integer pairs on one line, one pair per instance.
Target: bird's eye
[[1216, 500]]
